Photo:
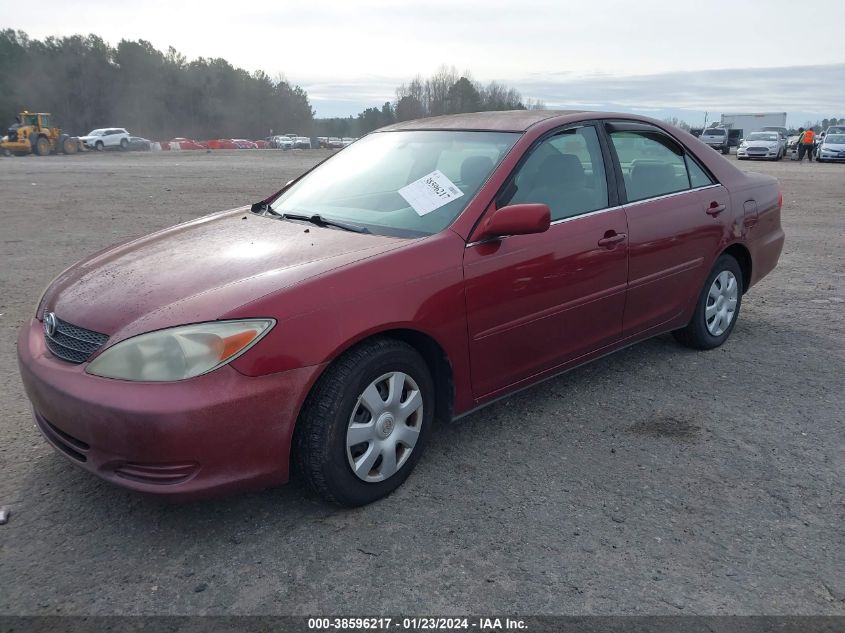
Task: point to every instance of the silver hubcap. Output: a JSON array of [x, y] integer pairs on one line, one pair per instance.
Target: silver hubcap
[[721, 303], [384, 426]]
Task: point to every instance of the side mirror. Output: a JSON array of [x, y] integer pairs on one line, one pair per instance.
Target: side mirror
[[516, 219]]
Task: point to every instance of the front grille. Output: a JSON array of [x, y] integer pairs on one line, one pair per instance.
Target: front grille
[[73, 343], [758, 149]]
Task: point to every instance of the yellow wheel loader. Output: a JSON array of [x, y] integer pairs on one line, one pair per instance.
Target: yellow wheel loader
[[32, 133]]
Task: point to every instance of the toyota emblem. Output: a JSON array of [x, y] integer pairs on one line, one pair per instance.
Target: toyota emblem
[[50, 323]]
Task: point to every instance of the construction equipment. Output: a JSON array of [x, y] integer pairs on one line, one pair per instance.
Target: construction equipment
[[32, 133]]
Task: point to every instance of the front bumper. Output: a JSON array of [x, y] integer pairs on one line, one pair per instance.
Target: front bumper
[[217, 433], [745, 153], [836, 157]]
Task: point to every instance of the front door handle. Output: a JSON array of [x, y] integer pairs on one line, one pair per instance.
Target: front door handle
[[611, 238], [715, 209]]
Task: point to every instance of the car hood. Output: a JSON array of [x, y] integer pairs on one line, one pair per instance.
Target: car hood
[[200, 270], [836, 147]]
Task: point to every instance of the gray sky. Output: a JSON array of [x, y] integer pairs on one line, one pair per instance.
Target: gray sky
[[668, 57]]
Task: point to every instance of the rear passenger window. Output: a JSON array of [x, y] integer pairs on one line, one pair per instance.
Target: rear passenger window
[[697, 176], [565, 172], [652, 165]]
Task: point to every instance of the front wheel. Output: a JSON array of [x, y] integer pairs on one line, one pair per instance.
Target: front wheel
[[717, 308], [99, 146], [365, 423], [124, 144], [42, 146]]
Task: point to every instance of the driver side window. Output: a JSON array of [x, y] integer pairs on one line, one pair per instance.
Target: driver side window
[[566, 172]]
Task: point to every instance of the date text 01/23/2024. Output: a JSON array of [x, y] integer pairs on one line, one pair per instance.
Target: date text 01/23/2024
[[417, 624]]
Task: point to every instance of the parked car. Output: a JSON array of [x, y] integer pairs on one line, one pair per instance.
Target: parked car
[[139, 144], [333, 321], [347, 141], [770, 145], [832, 148], [334, 142], [302, 142], [183, 143], [281, 142], [105, 138], [833, 129], [721, 139], [243, 143], [222, 143]]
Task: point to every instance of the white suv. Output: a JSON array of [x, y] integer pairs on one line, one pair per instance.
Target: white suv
[[106, 137]]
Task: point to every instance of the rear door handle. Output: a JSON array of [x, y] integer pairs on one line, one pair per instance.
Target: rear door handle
[[715, 209], [610, 238]]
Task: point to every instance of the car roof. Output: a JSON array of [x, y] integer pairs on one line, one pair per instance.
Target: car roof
[[499, 121]]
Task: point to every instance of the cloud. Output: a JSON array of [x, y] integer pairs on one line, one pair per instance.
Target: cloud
[[802, 91], [799, 88]]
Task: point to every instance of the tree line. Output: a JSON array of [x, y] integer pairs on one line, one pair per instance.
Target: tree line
[[444, 92], [86, 83]]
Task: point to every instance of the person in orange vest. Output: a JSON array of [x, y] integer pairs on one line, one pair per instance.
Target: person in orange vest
[[806, 144]]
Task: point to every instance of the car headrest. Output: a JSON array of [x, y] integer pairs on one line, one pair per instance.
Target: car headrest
[[560, 169]]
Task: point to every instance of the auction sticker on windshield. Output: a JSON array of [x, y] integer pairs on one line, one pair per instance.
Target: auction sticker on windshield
[[430, 192]]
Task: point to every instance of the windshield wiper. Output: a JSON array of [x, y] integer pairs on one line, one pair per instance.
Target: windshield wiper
[[319, 220]]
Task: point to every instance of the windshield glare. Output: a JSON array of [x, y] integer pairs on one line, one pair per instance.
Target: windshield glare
[[762, 136], [360, 185]]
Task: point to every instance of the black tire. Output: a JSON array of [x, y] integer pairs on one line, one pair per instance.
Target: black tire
[[41, 146], [726, 150], [320, 450], [695, 334], [69, 145], [124, 144], [99, 146]]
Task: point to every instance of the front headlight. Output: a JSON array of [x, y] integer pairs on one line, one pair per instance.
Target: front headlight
[[180, 352]]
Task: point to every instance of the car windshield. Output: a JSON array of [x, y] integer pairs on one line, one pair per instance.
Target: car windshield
[[763, 136], [836, 130], [714, 132], [361, 184], [835, 139], [95, 133]]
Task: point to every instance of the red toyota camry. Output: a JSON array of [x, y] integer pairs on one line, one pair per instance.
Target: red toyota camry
[[422, 272]]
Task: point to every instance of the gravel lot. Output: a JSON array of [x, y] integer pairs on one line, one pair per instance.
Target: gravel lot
[[658, 480]]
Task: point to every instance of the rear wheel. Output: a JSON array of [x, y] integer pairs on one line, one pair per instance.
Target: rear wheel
[[365, 423], [717, 308], [726, 149], [69, 145]]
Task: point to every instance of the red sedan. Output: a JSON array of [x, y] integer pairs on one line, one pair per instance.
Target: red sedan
[[422, 272]]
